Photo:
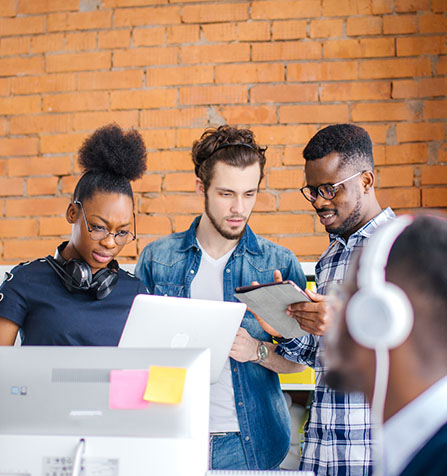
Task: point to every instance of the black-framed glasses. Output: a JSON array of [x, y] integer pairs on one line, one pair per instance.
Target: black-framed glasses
[[325, 190], [98, 233]]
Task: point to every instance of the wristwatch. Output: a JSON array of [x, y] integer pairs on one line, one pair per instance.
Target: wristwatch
[[263, 353]]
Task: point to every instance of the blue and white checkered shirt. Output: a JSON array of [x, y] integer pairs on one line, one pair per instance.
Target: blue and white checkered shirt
[[338, 434]]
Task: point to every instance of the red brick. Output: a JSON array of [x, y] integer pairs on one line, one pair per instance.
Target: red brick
[[412, 153], [185, 138], [158, 139], [250, 73], [37, 123], [78, 62], [14, 46], [395, 68], [400, 24], [69, 182], [386, 111], [90, 121], [48, 42], [435, 109], [265, 202], [290, 50], [180, 75], [113, 39], [36, 206], [337, 8], [61, 143], [322, 71], [221, 12], [153, 225], [42, 186], [325, 28], [46, 6], [289, 29], [13, 147], [80, 41], [145, 56], [274, 159], [442, 154], [18, 66], [148, 183], [284, 93], [441, 66], [172, 203], [149, 99], [148, 36], [5, 86], [438, 6], [381, 6], [418, 45], [53, 226], [319, 114], [434, 197], [173, 160], [183, 33], [294, 201], [11, 186], [274, 9], [378, 133], [43, 84], [420, 88], [363, 48], [174, 117], [286, 135], [39, 166], [213, 95], [18, 228], [293, 156], [355, 91], [306, 245], [257, 31], [219, 32], [146, 16], [25, 25], [107, 80], [131, 3], [215, 53], [433, 174], [396, 176], [29, 249], [7, 8], [411, 5], [80, 21], [281, 224], [399, 197], [2, 133], [362, 26], [420, 131], [285, 178], [79, 101], [180, 182], [19, 105], [248, 114]]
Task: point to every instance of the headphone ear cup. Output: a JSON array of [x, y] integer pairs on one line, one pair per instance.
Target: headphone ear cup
[[103, 282], [382, 317], [79, 275]]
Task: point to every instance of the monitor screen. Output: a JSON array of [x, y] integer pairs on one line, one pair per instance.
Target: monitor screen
[[51, 398]]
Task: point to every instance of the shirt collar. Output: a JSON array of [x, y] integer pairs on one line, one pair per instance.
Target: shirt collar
[[248, 241], [412, 427], [367, 229]]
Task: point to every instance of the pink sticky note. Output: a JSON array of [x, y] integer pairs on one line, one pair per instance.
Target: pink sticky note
[[127, 389]]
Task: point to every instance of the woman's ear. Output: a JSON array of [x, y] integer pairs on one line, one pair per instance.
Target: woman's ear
[[368, 180], [72, 213]]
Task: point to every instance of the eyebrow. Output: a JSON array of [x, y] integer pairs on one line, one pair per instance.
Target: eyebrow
[[108, 223], [222, 189]]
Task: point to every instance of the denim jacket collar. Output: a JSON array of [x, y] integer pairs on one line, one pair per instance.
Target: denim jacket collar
[[248, 242]]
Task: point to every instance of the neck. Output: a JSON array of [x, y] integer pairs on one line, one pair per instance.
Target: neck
[[211, 240]]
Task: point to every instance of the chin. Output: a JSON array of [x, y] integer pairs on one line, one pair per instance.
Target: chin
[[342, 381]]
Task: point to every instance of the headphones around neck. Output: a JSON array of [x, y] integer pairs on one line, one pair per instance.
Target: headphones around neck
[[379, 315], [77, 275]]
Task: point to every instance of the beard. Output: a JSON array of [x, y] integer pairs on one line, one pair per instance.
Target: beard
[[228, 235], [351, 222]]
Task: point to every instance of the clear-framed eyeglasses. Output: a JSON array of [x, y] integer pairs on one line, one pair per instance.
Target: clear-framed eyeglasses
[[325, 190], [98, 233]]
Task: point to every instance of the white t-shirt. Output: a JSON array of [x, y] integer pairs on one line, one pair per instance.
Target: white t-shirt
[[208, 284]]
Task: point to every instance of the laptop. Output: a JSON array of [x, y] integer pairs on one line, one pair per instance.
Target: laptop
[[56, 406], [175, 322]]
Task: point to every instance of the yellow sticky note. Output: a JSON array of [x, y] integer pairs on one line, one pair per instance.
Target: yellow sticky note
[[165, 384]]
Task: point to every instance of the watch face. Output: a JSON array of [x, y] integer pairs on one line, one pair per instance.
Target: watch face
[[263, 352]]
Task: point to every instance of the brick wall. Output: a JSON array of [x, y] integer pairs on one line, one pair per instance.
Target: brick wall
[[171, 68]]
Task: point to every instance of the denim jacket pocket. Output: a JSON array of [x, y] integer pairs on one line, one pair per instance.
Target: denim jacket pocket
[[168, 289]]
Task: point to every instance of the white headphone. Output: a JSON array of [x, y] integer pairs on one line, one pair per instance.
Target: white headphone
[[379, 315]]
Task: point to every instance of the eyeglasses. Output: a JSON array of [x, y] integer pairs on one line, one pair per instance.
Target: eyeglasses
[[98, 233], [325, 190]]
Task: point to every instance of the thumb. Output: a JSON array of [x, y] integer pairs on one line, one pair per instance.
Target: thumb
[[315, 296], [277, 276]]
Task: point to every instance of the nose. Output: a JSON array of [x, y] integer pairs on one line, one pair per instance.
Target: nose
[[320, 202], [237, 205], [108, 241]]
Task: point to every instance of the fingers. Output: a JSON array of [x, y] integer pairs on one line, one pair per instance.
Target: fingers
[[315, 296], [277, 276]]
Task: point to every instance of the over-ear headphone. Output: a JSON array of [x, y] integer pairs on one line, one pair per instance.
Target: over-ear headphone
[[379, 315], [77, 275]]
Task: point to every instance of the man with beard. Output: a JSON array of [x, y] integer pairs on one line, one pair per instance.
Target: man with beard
[[249, 419], [340, 185]]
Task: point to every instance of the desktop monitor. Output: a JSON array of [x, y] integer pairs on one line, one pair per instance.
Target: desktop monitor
[[60, 402]]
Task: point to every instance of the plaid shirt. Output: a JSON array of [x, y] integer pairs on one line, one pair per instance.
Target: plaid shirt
[[338, 434]]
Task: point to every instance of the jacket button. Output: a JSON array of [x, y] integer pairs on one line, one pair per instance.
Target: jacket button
[[192, 271], [240, 404], [247, 438], [228, 270]]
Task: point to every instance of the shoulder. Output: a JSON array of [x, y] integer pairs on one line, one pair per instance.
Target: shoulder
[[26, 268], [166, 250]]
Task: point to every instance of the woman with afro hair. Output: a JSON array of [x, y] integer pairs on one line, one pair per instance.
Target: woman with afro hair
[[81, 296]]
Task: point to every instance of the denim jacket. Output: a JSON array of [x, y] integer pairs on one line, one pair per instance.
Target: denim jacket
[[168, 266]]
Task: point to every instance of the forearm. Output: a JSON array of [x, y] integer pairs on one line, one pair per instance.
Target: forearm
[[279, 364]]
